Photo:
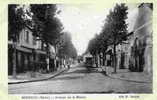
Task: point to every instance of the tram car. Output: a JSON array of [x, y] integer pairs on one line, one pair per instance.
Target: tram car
[[88, 60]]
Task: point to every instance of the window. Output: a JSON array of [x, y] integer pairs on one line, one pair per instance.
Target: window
[[34, 40], [27, 36]]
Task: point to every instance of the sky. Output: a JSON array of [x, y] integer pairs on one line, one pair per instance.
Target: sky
[[84, 21]]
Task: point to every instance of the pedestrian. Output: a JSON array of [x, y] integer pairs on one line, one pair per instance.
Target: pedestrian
[[68, 64], [64, 63]]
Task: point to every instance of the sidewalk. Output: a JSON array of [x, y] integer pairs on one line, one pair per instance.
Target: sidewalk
[[26, 77], [125, 74]]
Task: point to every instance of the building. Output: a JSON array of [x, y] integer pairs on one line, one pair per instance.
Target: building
[[140, 46], [28, 50]]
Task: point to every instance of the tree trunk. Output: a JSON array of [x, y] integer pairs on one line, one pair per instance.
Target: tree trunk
[[55, 60], [33, 74], [97, 60], [47, 59], [104, 59], [14, 60], [114, 58]]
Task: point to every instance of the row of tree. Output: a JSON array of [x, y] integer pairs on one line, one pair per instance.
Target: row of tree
[[67, 49], [44, 24], [113, 32]]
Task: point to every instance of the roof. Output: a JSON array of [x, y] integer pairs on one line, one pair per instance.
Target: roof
[[88, 55]]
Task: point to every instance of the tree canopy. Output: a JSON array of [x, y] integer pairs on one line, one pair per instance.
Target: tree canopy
[[46, 24], [115, 27], [67, 48], [114, 30], [17, 19], [97, 45]]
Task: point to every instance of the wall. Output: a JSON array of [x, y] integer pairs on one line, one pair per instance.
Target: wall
[[143, 33], [23, 38]]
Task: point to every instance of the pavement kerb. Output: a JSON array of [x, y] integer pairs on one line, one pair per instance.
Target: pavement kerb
[[124, 79], [36, 80]]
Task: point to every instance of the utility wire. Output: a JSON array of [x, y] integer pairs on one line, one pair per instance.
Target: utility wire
[[147, 23]]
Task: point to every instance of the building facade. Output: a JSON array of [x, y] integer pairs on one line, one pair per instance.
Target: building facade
[[140, 51], [29, 50]]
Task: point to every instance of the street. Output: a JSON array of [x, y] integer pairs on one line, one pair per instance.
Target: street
[[79, 80]]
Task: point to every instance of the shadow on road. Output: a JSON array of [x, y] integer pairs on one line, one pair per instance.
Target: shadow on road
[[68, 78], [83, 71], [129, 80], [76, 73]]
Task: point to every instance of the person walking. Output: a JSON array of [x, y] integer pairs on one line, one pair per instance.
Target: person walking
[[68, 64]]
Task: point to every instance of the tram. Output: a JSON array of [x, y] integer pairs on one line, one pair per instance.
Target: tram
[[88, 60]]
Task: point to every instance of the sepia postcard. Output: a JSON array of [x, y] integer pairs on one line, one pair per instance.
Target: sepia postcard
[[78, 50]]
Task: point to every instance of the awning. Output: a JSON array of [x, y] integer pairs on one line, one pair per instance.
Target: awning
[[24, 49], [41, 52], [109, 51], [88, 55]]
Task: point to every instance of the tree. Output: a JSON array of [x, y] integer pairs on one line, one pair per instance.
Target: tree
[[115, 28], [46, 25], [96, 46], [17, 19], [67, 48]]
